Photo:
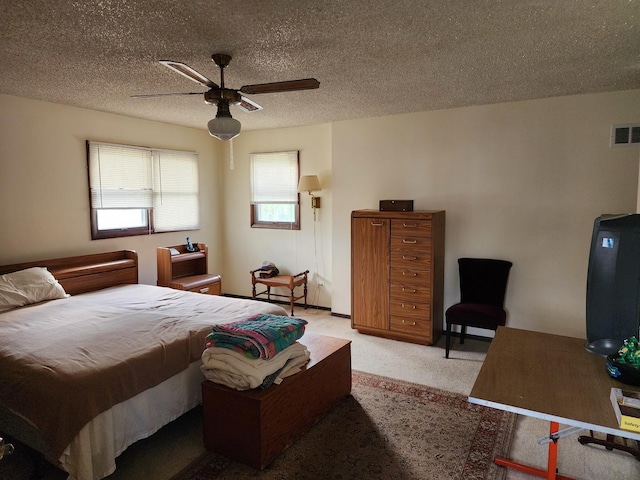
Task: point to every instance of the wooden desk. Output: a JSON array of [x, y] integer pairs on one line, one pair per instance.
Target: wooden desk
[[550, 377]]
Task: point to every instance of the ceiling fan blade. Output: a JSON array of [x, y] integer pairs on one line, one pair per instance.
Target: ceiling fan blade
[[288, 86], [249, 105], [148, 95], [189, 72]]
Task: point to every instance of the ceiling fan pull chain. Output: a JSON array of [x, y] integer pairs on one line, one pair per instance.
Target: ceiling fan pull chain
[[231, 164]]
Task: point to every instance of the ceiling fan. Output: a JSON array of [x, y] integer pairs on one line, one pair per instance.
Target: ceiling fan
[[224, 127]]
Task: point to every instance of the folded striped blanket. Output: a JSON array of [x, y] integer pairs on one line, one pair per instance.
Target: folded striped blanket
[[260, 336]]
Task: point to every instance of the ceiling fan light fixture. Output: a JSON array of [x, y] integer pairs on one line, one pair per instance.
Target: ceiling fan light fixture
[[224, 128]]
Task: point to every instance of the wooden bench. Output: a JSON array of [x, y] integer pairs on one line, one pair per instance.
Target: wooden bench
[[255, 426], [284, 281]]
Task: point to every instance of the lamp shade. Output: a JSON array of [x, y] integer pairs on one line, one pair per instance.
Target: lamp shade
[[224, 128], [309, 183]]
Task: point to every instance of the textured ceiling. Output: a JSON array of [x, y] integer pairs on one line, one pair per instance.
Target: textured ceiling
[[372, 58]]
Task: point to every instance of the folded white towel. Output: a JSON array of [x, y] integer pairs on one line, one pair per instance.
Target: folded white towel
[[230, 368]]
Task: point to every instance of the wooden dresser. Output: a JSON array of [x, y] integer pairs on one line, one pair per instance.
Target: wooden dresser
[[187, 270], [397, 274]]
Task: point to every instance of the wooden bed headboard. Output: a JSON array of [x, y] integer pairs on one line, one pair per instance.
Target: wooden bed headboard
[[86, 273]]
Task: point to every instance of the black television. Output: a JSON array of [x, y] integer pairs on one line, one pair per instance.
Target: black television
[[613, 283]]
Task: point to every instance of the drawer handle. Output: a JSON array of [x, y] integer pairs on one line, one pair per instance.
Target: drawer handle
[[413, 324], [413, 290], [410, 274], [404, 240], [413, 307], [204, 290], [377, 224], [411, 225], [408, 257]]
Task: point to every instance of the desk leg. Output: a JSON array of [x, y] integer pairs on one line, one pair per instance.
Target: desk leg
[[552, 461]]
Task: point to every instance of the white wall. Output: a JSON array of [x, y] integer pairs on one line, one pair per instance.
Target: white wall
[[519, 181], [293, 251], [522, 181], [44, 196]]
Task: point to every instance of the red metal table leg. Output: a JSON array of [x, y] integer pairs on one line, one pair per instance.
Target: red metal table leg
[[552, 461], [550, 472]]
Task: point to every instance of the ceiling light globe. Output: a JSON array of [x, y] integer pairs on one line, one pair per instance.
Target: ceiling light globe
[[224, 128]]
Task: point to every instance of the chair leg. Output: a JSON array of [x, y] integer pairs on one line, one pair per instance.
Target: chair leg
[[291, 301], [305, 295], [448, 341], [463, 333]]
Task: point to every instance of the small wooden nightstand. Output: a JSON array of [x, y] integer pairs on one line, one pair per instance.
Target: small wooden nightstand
[[187, 270]]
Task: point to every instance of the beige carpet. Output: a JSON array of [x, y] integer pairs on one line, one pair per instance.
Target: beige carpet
[[387, 429]]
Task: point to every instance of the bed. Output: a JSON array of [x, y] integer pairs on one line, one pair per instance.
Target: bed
[[104, 363]]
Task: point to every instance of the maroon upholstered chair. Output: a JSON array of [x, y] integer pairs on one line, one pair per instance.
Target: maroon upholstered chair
[[483, 284]]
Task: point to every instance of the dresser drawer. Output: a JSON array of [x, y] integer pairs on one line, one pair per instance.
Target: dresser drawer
[[209, 289], [406, 276], [411, 326], [407, 309], [207, 284], [410, 293], [413, 228], [406, 243], [411, 260]]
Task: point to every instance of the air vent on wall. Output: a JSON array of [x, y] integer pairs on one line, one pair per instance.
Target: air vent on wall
[[625, 135]]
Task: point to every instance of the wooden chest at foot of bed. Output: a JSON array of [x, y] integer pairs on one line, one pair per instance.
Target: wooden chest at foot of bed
[[255, 426]]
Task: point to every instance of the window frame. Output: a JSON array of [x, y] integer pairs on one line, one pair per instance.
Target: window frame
[[295, 225], [150, 228], [120, 232]]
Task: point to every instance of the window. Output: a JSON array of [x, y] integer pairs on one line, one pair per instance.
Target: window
[[275, 202], [138, 190]]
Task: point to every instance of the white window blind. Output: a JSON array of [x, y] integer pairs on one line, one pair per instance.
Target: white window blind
[[274, 177], [175, 204], [130, 177], [120, 176]]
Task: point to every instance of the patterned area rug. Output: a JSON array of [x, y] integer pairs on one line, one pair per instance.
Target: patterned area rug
[[386, 429]]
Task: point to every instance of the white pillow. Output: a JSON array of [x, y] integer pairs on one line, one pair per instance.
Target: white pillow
[[24, 287]]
